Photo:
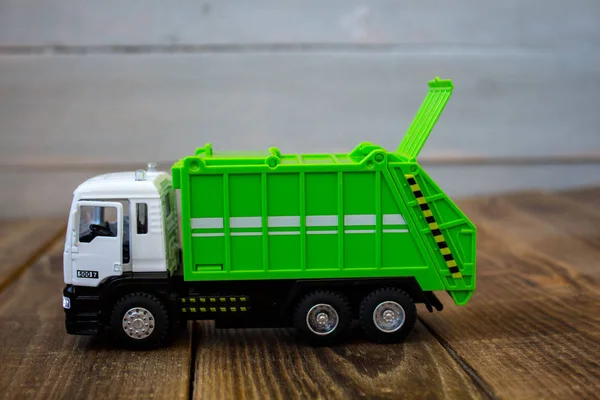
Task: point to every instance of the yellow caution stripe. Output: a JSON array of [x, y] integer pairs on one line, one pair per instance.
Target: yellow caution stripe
[[221, 304], [434, 227], [213, 309]]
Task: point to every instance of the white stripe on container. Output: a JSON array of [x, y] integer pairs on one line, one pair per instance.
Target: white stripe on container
[[293, 221], [283, 233], [393, 219], [321, 220], [321, 232], [284, 222], [245, 222], [359, 219], [246, 233], [207, 223]]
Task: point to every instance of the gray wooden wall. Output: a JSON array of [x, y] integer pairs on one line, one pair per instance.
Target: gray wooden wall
[[88, 87]]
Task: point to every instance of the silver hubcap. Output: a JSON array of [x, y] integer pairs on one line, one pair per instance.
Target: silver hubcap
[[322, 319], [138, 323], [389, 316]]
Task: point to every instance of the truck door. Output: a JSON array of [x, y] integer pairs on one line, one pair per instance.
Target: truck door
[[97, 249]]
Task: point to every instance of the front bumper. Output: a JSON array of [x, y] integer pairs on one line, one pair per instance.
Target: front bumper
[[83, 311]]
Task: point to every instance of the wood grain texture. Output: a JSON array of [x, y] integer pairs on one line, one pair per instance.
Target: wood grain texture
[[40, 361], [21, 242], [590, 196], [565, 230], [532, 330], [273, 363]]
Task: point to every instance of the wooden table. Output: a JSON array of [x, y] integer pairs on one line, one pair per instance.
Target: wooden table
[[531, 331]]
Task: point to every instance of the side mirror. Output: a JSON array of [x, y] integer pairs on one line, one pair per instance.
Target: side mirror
[[74, 220]]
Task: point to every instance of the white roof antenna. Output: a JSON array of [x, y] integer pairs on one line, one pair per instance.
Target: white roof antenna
[[140, 175]]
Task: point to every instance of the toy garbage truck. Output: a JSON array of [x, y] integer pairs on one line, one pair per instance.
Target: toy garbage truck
[[311, 241]]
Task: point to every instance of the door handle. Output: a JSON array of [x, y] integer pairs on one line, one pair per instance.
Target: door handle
[[117, 267]]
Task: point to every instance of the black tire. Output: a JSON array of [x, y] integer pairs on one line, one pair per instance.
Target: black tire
[[323, 302], [399, 327], [147, 309]]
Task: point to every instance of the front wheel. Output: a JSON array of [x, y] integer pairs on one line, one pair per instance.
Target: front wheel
[[387, 315], [139, 321]]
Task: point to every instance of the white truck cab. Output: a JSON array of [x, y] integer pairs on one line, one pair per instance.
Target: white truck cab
[[121, 222]]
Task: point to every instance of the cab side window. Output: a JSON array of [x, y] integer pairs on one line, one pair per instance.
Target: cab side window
[[97, 221], [142, 218]]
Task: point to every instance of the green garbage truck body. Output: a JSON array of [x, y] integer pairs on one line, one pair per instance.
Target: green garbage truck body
[[312, 241], [371, 213]]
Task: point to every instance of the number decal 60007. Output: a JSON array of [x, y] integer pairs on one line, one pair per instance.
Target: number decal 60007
[[87, 274]]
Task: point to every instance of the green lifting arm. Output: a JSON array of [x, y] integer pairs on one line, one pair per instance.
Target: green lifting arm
[[439, 93]]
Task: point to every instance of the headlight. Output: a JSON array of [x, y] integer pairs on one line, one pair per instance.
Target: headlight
[[66, 302]]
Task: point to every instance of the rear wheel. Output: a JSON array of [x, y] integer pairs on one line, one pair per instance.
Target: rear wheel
[[322, 317], [387, 315], [139, 321]]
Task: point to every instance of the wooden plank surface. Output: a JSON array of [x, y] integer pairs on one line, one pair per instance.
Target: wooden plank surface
[[101, 78], [590, 196], [532, 330], [273, 363], [22, 241], [40, 361], [238, 22], [100, 108]]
